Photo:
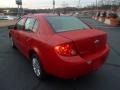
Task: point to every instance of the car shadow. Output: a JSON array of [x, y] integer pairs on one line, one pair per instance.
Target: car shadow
[[84, 82]]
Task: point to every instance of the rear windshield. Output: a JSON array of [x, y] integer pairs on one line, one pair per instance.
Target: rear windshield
[[65, 23]]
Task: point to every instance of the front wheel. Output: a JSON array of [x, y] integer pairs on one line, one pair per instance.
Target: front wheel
[[37, 68]]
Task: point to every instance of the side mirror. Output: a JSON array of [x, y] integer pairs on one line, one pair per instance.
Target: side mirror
[[11, 27]]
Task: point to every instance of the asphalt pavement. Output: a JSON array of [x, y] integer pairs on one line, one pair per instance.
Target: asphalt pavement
[[16, 72]]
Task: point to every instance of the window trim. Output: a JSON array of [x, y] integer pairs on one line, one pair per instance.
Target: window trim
[[31, 31], [20, 20], [32, 26], [37, 26]]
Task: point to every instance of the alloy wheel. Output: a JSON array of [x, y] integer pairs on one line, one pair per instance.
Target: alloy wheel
[[36, 66]]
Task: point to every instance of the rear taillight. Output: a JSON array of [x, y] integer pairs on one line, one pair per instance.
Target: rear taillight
[[65, 50]]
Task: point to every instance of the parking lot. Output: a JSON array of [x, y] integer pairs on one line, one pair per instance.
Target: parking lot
[[16, 73]]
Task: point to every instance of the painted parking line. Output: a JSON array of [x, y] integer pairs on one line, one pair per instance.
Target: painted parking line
[[108, 27]]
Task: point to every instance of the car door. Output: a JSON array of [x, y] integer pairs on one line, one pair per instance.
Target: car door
[[16, 32], [26, 35]]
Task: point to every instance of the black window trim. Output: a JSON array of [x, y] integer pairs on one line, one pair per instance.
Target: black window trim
[[37, 26], [20, 20], [33, 24]]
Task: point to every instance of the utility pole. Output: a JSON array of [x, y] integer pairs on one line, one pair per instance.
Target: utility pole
[[112, 4], [97, 5], [19, 3], [53, 6], [76, 3], [18, 11], [21, 10], [79, 3]]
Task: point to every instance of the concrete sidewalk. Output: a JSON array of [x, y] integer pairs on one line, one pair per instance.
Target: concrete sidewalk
[[4, 23]]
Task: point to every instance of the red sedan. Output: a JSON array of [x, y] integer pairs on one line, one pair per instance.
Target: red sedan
[[62, 46]]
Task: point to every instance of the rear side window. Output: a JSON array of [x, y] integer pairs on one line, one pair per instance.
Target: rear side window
[[35, 27], [65, 23], [29, 24]]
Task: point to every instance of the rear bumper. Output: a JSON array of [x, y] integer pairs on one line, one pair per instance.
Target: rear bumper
[[100, 58], [74, 67]]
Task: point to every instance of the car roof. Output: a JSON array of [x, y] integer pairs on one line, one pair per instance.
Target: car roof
[[41, 15]]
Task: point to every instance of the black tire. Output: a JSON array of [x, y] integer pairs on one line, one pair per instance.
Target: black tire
[[39, 73], [12, 43]]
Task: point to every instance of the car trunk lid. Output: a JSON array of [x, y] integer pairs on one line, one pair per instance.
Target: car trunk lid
[[86, 41]]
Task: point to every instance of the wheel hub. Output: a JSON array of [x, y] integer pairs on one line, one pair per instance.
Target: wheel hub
[[36, 66]]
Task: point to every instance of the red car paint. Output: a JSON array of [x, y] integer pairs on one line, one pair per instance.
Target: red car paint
[[89, 55]]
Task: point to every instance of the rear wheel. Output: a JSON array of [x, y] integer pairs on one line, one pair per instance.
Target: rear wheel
[[12, 43], [37, 68]]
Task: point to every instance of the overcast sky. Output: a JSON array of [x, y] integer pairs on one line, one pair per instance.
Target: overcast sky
[[34, 4]]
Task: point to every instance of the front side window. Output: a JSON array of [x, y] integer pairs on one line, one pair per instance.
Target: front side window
[[29, 24], [20, 24], [65, 23]]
